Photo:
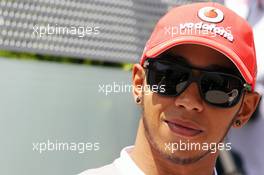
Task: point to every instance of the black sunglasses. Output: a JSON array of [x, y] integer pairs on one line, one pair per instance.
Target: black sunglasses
[[216, 88]]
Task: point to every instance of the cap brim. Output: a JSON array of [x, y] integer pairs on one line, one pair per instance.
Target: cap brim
[[234, 57]]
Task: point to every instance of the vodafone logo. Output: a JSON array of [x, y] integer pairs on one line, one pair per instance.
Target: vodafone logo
[[211, 14]]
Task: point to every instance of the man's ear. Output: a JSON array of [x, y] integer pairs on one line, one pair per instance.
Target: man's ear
[[250, 103], [138, 77]]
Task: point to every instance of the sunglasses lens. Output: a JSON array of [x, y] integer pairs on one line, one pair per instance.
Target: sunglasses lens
[[220, 89], [172, 79]]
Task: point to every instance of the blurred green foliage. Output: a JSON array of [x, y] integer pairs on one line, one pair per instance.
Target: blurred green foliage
[[64, 60]]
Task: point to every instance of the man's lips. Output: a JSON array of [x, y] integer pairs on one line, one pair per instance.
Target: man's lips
[[184, 128]]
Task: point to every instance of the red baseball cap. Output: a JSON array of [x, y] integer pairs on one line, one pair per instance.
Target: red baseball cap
[[209, 24]]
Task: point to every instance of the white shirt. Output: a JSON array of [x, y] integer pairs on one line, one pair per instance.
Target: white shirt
[[124, 165]]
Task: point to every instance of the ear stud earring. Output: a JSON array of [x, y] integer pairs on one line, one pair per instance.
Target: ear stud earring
[[138, 100], [238, 123]]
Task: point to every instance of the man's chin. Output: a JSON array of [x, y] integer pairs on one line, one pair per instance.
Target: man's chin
[[182, 156]]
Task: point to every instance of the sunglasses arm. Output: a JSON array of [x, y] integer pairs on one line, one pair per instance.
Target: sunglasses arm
[[247, 87]]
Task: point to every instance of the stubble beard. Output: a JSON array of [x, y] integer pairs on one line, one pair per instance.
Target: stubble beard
[[174, 158]]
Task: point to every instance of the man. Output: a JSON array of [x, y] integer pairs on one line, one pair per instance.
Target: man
[[198, 71]]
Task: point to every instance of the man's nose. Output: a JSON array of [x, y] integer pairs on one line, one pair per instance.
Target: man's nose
[[190, 99]]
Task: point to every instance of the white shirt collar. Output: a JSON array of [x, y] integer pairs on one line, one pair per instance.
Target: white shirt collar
[[127, 166]]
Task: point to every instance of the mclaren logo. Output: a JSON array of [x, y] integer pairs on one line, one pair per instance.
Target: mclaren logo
[[211, 14]]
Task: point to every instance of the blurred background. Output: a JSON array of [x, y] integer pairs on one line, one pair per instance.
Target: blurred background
[[57, 59]]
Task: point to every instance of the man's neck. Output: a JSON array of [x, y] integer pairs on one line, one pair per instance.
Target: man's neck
[[151, 162]]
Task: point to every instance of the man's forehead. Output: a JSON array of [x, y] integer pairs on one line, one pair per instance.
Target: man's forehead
[[200, 57]]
